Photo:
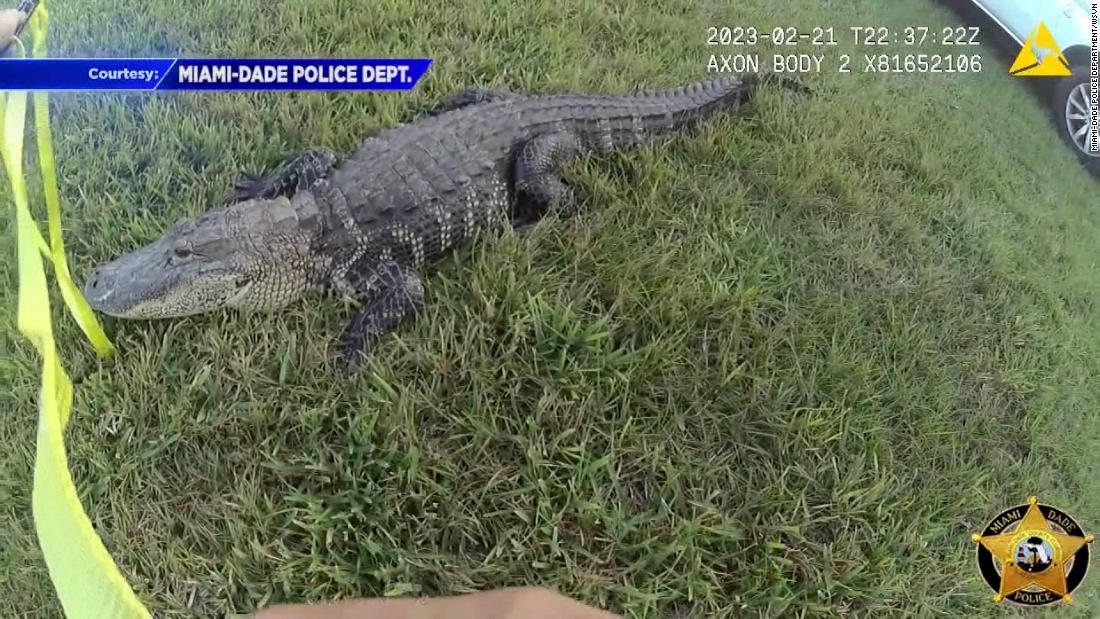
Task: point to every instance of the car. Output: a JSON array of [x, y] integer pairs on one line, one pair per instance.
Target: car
[[1070, 24]]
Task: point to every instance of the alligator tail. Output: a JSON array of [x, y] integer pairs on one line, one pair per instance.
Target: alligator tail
[[614, 122]]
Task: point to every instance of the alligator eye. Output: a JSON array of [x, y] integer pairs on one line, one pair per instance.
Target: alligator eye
[[182, 252]]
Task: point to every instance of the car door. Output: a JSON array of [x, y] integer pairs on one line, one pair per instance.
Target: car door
[[1019, 17]]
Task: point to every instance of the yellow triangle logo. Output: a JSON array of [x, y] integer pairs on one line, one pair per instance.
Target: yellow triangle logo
[[1040, 56]]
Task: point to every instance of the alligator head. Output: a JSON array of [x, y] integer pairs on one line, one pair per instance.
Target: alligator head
[[250, 255]]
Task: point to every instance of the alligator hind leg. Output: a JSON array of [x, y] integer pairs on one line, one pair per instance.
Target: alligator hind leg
[[291, 176], [538, 173], [395, 294]]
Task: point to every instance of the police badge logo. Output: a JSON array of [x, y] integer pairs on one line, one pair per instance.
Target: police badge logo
[[1033, 554]]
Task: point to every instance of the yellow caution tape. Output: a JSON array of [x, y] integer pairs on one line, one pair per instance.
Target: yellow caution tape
[[87, 581], [76, 302]]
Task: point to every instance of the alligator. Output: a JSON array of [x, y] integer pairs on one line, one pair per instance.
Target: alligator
[[367, 226]]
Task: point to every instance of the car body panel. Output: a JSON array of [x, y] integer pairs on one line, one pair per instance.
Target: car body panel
[[1067, 20]]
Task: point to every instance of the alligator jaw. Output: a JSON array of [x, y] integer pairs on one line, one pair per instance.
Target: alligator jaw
[[191, 269], [252, 255], [123, 287]]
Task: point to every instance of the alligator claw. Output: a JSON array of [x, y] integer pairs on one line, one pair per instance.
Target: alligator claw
[[249, 186], [291, 176], [346, 360]]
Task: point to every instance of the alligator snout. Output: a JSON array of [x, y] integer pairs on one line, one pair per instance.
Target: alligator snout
[[141, 285], [93, 282], [97, 288], [113, 288]]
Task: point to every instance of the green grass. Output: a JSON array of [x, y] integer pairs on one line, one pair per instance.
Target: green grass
[[782, 367]]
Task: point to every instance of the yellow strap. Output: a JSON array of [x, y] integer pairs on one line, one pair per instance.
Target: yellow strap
[[78, 306], [87, 581]]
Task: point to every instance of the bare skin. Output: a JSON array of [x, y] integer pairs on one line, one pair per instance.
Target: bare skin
[[510, 603], [9, 23]]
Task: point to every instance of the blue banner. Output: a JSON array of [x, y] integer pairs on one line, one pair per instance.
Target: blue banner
[[210, 73]]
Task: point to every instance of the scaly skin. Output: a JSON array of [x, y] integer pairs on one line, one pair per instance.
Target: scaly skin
[[407, 198]]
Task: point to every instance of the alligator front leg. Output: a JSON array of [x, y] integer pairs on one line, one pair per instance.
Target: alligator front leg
[[395, 294], [472, 96], [538, 173], [291, 176]]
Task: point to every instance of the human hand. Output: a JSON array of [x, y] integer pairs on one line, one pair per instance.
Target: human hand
[[10, 20], [511, 603]]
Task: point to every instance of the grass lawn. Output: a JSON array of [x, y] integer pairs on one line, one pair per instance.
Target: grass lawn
[[782, 367]]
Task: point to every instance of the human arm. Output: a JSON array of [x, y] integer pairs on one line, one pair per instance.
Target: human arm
[[510, 603]]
